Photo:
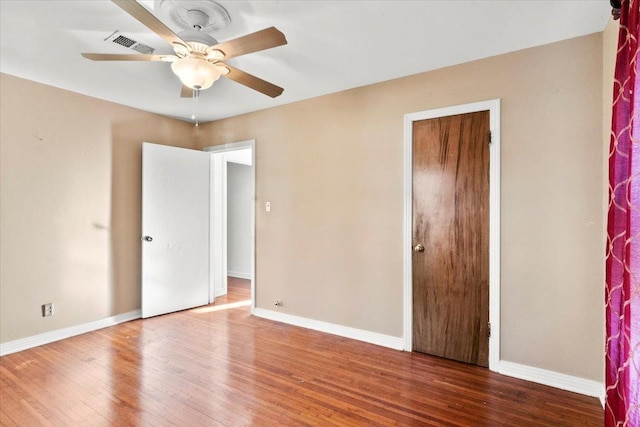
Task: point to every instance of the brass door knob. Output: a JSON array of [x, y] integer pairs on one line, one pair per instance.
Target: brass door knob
[[418, 248]]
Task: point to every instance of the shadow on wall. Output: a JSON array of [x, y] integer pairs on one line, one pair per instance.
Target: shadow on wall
[[126, 193]]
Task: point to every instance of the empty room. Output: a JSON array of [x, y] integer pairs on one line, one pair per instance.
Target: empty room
[[355, 213]]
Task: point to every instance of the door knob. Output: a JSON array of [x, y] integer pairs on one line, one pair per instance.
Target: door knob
[[147, 238], [418, 248]]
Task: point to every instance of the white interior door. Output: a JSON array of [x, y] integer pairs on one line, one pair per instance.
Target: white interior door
[[175, 229]]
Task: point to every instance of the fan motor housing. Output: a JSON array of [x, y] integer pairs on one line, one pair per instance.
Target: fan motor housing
[[198, 37]]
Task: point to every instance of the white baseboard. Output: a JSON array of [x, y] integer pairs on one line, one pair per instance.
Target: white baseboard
[[60, 334], [528, 373], [239, 274], [396, 343], [524, 372], [553, 379]]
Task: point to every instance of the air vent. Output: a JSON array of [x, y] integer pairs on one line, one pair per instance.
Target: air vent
[[124, 41], [118, 38]]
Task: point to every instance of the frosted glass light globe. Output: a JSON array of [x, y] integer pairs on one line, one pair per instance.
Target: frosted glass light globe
[[196, 73]]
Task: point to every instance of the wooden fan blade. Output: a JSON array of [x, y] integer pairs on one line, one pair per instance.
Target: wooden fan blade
[[260, 40], [186, 92], [119, 57], [136, 10], [253, 82]]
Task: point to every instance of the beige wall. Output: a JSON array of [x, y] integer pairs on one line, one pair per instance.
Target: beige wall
[[331, 248], [70, 205], [332, 168]]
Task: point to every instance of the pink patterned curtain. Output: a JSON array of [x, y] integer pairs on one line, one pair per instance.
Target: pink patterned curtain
[[623, 245]]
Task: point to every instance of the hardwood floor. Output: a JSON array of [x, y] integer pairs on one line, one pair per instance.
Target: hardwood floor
[[237, 290], [220, 366]]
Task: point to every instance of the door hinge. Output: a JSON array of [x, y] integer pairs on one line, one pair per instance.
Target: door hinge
[[488, 329], [489, 136]]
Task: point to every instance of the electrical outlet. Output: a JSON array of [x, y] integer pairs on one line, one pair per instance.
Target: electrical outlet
[[47, 309]]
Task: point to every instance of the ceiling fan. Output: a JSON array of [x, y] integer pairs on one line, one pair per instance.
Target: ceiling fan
[[198, 59]]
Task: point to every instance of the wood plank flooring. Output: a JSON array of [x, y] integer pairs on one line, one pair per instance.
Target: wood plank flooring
[[219, 366]]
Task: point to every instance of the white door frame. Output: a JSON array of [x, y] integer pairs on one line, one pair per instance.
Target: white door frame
[[220, 258], [218, 222], [493, 106]]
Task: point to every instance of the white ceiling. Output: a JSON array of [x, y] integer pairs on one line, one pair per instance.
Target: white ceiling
[[332, 45]]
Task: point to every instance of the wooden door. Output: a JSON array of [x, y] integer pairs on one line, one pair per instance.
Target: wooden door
[[451, 222]]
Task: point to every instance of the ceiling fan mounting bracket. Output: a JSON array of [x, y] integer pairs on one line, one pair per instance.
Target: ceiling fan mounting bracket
[[197, 19], [194, 15]]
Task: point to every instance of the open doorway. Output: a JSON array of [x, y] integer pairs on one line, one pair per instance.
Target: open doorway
[[232, 210]]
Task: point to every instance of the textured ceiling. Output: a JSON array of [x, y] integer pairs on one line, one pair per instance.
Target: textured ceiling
[[333, 45]]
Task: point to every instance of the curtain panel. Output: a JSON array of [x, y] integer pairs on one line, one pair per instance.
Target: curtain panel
[[622, 296]]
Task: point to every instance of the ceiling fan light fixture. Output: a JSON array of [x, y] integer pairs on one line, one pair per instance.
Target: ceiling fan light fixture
[[196, 72], [181, 50], [197, 60], [214, 54]]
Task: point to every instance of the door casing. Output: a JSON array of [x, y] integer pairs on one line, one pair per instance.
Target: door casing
[[493, 106], [219, 243]]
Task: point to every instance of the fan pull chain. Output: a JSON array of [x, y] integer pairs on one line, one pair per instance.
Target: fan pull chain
[[196, 95]]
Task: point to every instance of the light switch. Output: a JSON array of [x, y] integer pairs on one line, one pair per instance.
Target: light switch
[[267, 206]]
